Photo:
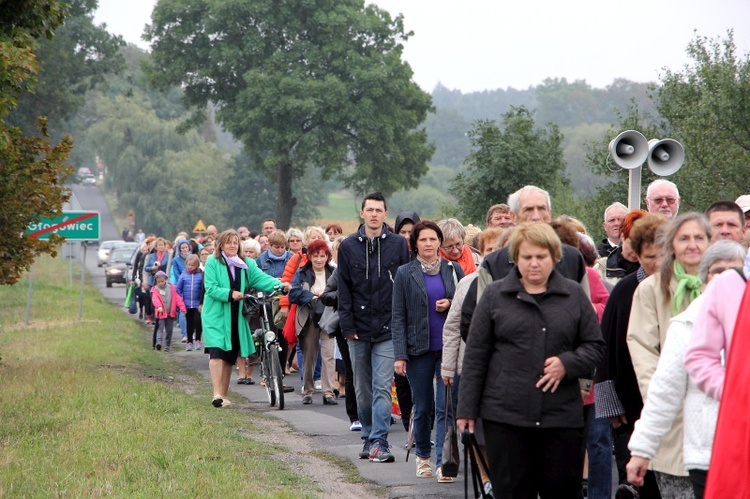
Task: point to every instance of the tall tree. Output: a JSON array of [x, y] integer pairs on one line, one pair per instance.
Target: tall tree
[[70, 63], [33, 170], [505, 158], [300, 83], [706, 106]]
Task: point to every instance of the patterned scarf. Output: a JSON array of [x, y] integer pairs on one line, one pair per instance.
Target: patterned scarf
[[685, 282], [430, 268]]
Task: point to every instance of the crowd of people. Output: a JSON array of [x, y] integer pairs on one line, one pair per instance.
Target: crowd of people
[[556, 352]]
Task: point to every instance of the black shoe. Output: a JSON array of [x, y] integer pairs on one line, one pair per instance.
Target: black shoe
[[249, 381], [307, 400], [158, 346], [288, 389], [329, 401], [336, 392], [242, 381]]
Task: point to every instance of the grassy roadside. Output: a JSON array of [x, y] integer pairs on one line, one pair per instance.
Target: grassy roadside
[[87, 409]]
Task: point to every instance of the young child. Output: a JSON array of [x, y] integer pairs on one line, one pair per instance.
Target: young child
[[166, 301], [190, 288]]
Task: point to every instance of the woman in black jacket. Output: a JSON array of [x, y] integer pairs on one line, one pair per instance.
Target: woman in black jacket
[[533, 334], [422, 293]]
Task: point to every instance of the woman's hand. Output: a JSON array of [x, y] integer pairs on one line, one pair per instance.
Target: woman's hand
[[618, 421], [399, 367], [442, 305], [637, 468], [554, 372], [236, 295], [465, 424], [447, 381], [284, 311], [286, 286]]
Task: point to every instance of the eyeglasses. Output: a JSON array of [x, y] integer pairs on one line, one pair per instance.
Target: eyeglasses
[[295, 241], [670, 201], [458, 246]]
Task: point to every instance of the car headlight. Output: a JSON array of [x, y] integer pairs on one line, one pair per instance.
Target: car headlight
[[114, 271], [270, 336]]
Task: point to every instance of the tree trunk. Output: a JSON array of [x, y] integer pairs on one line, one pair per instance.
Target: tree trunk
[[285, 202]]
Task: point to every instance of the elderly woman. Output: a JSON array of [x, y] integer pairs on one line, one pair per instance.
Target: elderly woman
[[671, 387], [422, 293], [226, 334], [657, 299], [453, 247], [532, 335], [308, 285]]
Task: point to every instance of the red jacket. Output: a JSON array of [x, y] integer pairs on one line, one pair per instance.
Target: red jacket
[[157, 300]]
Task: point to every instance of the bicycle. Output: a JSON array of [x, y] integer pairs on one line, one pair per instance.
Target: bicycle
[[267, 345]]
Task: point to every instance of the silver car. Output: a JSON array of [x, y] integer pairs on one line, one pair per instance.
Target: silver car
[[102, 254]]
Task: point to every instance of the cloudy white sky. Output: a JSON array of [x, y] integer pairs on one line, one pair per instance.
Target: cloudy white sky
[[475, 45]]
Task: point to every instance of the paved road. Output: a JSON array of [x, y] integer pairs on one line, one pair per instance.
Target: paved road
[[328, 426]]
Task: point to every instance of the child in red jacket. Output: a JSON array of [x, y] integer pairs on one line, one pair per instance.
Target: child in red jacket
[[166, 301]]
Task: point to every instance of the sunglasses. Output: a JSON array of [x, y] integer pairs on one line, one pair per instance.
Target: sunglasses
[[670, 201]]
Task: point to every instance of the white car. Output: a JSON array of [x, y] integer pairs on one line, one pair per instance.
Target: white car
[[102, 254], [88, 180]]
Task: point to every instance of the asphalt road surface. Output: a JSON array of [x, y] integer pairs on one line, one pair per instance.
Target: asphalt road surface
[[327, 426]]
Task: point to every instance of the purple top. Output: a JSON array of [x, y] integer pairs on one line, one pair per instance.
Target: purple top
[[435, 292]]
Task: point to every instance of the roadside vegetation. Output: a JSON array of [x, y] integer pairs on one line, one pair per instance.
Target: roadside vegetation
[[88, 410]]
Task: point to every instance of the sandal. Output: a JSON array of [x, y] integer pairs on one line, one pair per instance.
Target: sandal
[[424, 469]]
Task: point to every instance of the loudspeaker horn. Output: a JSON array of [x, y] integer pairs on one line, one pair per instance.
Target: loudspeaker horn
[[629, 150], [665, 156]]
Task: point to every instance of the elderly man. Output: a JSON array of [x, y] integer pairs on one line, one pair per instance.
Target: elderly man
[[499, 216], [727, 221], [663, 198], [211, 231], [613, 217], [243, 232]]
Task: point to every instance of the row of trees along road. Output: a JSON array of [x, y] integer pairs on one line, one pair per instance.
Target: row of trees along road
[[301, 85]]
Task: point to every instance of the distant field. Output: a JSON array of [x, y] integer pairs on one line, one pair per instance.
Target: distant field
[[342, 208]]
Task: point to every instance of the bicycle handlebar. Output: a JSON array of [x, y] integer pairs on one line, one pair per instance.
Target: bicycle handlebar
[[263, 298]]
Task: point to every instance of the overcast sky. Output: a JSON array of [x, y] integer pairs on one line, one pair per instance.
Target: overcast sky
[[475, 45]]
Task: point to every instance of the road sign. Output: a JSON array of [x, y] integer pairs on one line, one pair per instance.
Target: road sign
[[199, 228], [73, 225]]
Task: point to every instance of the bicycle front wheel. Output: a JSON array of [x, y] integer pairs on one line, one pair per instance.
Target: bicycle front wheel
[[266, 367], [276, 376]]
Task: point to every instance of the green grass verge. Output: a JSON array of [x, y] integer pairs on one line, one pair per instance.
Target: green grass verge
[[341, 206], [88, 409]]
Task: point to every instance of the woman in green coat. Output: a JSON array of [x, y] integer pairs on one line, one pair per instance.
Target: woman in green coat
[[226, 335]]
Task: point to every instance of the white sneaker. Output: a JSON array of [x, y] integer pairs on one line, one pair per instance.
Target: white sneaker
[[356, 426], [318, 385]]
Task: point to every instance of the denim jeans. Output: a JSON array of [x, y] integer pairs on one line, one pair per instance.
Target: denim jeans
[[182, 321], [599, 446], [372, 364], [422, 371]]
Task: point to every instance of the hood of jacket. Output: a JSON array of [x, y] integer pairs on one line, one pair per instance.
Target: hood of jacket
[[404, 217]]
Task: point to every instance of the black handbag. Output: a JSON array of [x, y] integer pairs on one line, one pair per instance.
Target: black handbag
[[471, 455], [451, 459]]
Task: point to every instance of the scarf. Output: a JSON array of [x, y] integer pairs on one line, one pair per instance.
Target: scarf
[[234, 263], [685, 282], [466, 260], [430, 268], [282, 258]]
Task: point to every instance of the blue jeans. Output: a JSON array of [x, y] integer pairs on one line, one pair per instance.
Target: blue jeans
[[422, 371], [599, 446], [182, 321], [372, 364]]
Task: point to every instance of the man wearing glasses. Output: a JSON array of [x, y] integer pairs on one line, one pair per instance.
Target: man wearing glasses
[[663, 198]]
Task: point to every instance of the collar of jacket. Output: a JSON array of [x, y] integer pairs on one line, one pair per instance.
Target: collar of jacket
[[362, 235], [555, 284]]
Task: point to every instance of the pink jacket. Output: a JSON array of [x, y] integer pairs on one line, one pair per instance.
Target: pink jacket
[[712, 332], [599, 293], [176, 302]]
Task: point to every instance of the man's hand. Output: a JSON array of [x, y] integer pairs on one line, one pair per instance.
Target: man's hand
[[554, 371], [637, 468], [399, 367], [464, 424]]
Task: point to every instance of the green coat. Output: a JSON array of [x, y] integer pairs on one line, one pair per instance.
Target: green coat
[[216, 314]]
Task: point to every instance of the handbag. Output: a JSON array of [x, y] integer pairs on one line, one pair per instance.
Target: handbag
[[278, 319], [329, 320], [451, 459], [471, 456]]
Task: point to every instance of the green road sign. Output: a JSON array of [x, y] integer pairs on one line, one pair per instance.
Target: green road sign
[[72, 225]]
